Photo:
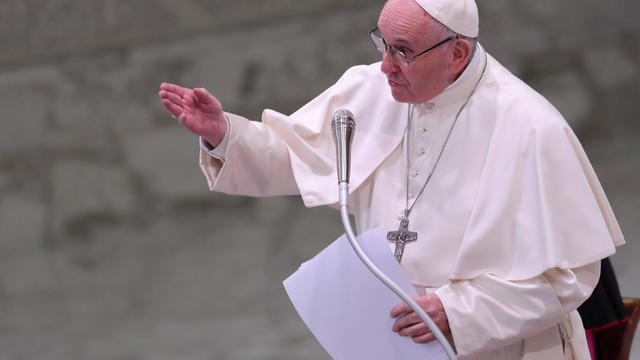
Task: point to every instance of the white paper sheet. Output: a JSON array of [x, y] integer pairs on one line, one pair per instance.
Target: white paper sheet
[[347, 308]]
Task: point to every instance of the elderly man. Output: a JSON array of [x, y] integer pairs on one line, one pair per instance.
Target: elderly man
[[511, 221]]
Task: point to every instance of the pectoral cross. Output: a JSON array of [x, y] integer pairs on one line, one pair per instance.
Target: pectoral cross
[[401, 237]]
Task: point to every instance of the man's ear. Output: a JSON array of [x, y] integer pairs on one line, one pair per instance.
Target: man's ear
[[460, 56]]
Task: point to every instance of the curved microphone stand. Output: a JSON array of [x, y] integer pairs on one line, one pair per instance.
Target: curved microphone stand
[[343, 126]]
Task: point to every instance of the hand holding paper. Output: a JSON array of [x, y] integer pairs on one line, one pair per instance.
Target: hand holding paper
[[340, 301], [410, 324]]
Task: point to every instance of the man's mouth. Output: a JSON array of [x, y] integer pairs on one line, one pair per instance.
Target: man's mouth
[[393, 83]]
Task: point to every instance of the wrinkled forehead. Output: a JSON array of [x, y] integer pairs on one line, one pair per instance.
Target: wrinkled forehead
[[404, 19]]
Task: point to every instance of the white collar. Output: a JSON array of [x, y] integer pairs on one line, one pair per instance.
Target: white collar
[[461, 88]]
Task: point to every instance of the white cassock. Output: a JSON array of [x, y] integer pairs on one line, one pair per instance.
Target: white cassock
[[511, 227]]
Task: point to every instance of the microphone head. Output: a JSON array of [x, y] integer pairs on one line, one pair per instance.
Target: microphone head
[[343, 117], [342, 126]]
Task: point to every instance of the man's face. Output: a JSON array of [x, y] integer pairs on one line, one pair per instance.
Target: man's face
[[405, 25]]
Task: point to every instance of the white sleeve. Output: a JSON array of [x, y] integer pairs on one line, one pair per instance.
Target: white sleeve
[[489, 312], [218, 151], [256, 162]]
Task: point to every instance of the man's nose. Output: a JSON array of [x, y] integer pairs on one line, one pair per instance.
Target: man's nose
[[388, 63]]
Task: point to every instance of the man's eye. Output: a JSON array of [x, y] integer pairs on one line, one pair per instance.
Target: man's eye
[[404, 51]]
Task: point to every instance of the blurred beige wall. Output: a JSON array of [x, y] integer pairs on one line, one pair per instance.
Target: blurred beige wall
[[111, 246]]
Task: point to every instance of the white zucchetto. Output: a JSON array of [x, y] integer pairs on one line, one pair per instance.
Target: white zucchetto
[[460, 16]]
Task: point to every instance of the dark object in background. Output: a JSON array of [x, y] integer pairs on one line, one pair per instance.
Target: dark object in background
[[610, 320]]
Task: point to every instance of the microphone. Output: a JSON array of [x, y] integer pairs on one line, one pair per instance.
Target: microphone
[[342, 127]]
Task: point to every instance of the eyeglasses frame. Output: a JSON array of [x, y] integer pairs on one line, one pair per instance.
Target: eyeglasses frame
[[395, 50]]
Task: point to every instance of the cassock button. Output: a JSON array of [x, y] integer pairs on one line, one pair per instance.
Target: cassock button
[[429, 106], [421, 151], [414, 173], [423, 130]]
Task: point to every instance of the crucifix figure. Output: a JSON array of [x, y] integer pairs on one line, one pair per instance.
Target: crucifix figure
[[402, 236]]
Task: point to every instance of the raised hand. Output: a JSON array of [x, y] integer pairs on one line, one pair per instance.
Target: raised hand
[[196, 110], [410, 324]]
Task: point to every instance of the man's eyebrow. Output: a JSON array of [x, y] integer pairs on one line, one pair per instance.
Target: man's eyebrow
[[403, 42]]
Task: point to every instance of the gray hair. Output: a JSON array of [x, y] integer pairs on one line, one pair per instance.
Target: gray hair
[[444, 32]]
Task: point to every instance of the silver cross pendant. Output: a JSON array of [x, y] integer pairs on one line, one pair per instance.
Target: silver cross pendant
[[401, 237]]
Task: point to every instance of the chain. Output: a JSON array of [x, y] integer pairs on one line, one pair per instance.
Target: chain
[[410, 109]]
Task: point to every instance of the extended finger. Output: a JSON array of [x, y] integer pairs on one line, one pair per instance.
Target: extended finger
[[423, 339], [179, 90], [172, 108], [406, 320], [414, 330], [173, 97]]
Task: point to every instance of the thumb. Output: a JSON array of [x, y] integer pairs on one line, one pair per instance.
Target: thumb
[[203, 96]]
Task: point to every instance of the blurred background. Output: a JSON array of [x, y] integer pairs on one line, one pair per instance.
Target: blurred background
[[111, 245]]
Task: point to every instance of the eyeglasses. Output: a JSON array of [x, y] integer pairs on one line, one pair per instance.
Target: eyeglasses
[[381, 45]]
